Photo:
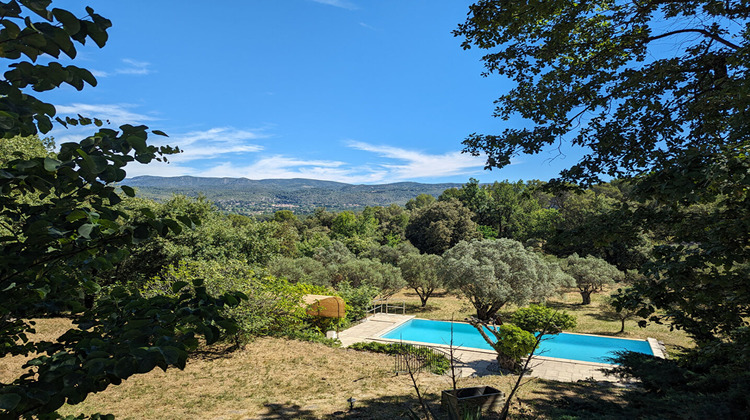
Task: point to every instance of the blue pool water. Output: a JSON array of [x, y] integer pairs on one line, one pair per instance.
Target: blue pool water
[[587, 348]]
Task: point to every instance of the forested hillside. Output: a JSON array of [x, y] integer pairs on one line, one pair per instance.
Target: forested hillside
[[303, 196]]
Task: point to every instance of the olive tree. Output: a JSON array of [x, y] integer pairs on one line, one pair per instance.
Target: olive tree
[[591, 274], [420, 271], [493, 273]]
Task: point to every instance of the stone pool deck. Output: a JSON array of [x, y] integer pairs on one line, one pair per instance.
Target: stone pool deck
[[478, 362]]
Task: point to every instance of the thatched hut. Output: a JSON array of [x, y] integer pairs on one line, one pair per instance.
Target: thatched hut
[[325, 306]]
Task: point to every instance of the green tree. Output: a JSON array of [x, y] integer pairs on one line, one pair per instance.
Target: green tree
[[657, 93], [384, 278], [54, 245], [422, 200], [420, 271], [617, 98], [25, 148], [622, 313], [300, 270], [591, 274], [494, 273], [437, 227]]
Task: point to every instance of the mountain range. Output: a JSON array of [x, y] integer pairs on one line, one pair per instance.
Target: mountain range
[[253, 197]]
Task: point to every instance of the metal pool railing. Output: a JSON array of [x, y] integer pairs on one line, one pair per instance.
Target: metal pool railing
[[384, 306], [416, 358]]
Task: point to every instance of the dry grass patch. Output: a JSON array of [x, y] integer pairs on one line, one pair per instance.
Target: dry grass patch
[[276, 378], [47, 329]]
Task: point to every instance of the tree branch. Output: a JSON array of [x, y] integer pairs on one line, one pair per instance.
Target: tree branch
[[703, 32]]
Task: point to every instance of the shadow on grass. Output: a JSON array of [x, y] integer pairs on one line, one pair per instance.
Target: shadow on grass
[[578, 400], [215, 351], [390, 407], [416, 308], [562, 305], [281, 411]]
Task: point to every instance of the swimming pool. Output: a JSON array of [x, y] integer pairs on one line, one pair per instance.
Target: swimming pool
[[587, 348]]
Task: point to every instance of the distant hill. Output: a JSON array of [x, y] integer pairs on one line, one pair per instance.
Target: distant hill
[[248, 196]]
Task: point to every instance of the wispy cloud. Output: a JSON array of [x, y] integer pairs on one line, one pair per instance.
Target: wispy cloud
[[392, 164], [364, 25], [215, 142], [200, 148], [131, 67], [415, 164], [116, 113], [134, 67], [344, 4], [285, 167]]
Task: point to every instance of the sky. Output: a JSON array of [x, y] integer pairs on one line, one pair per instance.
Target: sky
[[356, 91]]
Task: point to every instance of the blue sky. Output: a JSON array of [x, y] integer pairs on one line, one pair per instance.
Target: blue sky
[[355, 91]]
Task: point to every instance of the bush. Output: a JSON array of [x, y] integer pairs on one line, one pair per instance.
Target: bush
[[514, 342], [536, 318], [273, 305], [358, 299], [436, 362]]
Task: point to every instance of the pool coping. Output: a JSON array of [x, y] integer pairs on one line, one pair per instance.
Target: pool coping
[[656, 348]]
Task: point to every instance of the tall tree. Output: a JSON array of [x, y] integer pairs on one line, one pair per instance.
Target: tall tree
[[494, 273], [657, 92], [53, 245], [591, 274], [420, 271], [675, 119], [435, 228]]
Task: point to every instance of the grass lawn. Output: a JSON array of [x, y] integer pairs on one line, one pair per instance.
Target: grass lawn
[[282, 379]]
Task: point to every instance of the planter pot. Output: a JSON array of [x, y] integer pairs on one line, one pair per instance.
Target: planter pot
[[471, 402]]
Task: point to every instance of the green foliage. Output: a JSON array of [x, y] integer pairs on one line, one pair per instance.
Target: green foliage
[[615, 309], [272, 307], [358, 299], [492, 274], [422, 200], [62, 227], [25, 148], [437, 227], [123, 335], [420, 271], [599, 221], [300, 270], [663, 102], [510, 342], [436, 362], [384, 278], [693, 387], [590, 274], [539, 318]]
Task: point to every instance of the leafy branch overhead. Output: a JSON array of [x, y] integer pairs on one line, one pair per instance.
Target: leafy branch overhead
[[635, 83], [62, 223]]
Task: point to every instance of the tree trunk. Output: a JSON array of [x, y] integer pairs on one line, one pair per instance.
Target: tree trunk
[[622, 328], [88, 300], [483, 313], [586, 298], [508, 364]]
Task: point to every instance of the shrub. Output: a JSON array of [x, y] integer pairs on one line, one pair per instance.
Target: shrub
[[273, 305], [358, 299], [536, 318]]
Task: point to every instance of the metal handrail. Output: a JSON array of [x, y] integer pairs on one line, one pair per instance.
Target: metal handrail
[[383, 306]]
